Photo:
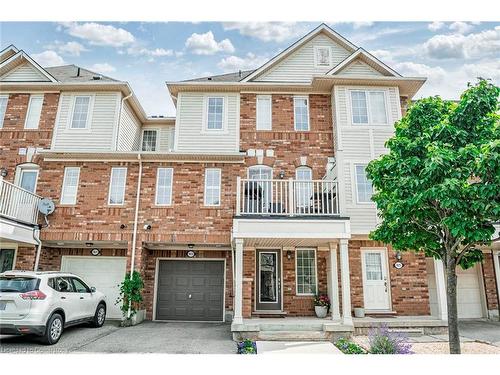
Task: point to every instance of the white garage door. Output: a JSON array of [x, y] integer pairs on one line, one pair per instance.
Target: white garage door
[[104, 273]]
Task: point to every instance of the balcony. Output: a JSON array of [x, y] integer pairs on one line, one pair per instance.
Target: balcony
[[18, 204]]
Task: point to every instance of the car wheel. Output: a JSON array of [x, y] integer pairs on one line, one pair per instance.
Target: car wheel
[[99, 316], [54, 330]]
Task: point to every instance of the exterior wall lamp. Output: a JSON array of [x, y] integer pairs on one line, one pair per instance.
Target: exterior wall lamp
[[289, 255]]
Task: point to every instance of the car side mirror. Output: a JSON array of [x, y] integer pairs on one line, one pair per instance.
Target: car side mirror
[[92, 289]]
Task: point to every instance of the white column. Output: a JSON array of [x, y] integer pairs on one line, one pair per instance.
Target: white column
[[346, 283], [334, 283], [238, 282], [441, 289]]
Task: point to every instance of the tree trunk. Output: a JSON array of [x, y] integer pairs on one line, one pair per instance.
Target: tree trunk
[[451, 289]]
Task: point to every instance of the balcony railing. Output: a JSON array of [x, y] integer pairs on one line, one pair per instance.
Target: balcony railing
[[18, 203], [286, 197]]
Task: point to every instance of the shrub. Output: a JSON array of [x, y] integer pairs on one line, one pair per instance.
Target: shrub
[[131, 294], [383, 341], [247, 347], [348, 347]]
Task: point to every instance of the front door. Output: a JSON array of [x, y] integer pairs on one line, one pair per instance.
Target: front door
[[268, 280], [375, 280]]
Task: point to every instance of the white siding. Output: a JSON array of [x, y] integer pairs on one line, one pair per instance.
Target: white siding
[[103, 119], [24, 73], [129, 136], [299, 66], [359, 68], [167, 134], [189, 127]]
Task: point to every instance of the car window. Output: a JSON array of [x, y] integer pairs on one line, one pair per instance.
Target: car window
[[80, 286], [64, 285], [18, 284]]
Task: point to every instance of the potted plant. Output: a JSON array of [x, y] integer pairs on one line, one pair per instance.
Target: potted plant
[[321, 305]]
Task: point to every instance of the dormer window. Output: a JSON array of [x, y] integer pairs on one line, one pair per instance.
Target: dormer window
[[149, 137], [322, 56]]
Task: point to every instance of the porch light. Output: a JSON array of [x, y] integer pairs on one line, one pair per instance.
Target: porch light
[[289, 255], [3, 172], [399, 256], [282, 175], [190, 245]]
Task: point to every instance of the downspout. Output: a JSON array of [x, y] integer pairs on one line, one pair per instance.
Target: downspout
[[120, 119], [136, 217], [36, 237]]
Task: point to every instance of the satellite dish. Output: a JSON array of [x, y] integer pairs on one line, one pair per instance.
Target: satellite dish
[[46, 206]]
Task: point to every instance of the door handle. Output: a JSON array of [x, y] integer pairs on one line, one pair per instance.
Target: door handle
[[81, 297], [63, 297], [189, 296]]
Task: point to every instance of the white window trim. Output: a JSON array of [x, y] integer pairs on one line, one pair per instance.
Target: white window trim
[[87, 127], [260, 166], [28, 167], [224, 114], [157, 130], [4, 96], [294, 117], [124, 186], [303, 168], [205, 188], [355, 183], [64, 183], [33, 96], [157, 185], [316, 63], [296, 269], [269, 97], [368, 108]]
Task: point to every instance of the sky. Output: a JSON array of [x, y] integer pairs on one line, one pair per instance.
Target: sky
[[147, 54]]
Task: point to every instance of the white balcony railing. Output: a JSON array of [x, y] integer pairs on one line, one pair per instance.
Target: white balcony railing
[[18, 203], [286, 197]]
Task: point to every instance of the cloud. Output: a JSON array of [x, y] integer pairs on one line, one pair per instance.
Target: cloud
[[359, 25], [99, 34], [48, 58], [103, 68], [205, 44], [235, 63], [369, 35], [69, 48], [156, 52], [268, 31], [461, 27], [435, 26]]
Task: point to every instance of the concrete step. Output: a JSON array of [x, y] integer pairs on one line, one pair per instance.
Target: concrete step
[[293, 336], [291, 327], [410, 332]]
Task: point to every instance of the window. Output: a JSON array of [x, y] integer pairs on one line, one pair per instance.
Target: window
[[212, 186], [28, 179], [363, 185], [80, 286], [322, 56], [117, 186], [34, 112], [70, 185], [64, 285], [303, 188], [164, 186], [373, 266], [368, 107], [3, 108], [7, 259], [258, 194], [301, 113], [80, 116], [149, 140], [215, 113], [306, 271], [264, 112]]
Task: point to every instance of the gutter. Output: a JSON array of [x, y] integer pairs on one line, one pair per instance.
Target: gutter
[[120, 119], [36, 237]]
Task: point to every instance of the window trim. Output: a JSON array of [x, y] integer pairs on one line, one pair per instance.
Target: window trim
[[297, 274], [63, 185], [110, 185], [368, 107], [258, 166], [264, 97], [205, 188], [223, 129], [316, 62], [33, 96], [2, 118], [156, 140], [171, 187], [355, 175], [89, 115], [301, 97], [26, 167]]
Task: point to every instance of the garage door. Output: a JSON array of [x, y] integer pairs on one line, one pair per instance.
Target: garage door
[[190, 290], [104, 273]]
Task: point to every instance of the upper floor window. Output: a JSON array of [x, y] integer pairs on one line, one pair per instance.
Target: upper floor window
[[164, 186], [264, 112], [322, 56], [368, 107], [3, 108], [79, 119], [303, 188], [149, 139], [212, 186], [117, 186], [215, 113], [364, 189], [70, 185], [301, 113], [34, 112]]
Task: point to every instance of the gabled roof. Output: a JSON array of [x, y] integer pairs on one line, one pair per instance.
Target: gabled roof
[[369, 59], [323, 28], [70, 73], [17, 59], [228, 77], [8, 52]]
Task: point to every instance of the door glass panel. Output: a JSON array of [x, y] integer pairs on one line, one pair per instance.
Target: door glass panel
[[259, 193], [373, 265], [28, 180], [268, 277], [6, 260]]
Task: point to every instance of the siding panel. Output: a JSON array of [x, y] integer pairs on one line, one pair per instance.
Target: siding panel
[[24, 73], [359, 68], [129, 135]]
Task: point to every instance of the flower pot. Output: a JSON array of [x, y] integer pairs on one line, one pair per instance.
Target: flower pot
[[321, 311]]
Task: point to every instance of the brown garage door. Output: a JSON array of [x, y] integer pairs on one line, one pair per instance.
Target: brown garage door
[[190, 290]]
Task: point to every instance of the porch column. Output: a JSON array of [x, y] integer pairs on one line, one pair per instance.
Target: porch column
[[238, 282], [440, 289], [346, 283], [334, 282]]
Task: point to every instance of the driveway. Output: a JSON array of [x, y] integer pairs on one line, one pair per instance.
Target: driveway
[[148, 337], [481, 330]]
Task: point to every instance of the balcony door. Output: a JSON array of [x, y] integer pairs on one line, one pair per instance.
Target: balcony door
[[26, 178], [258, 193], [268, 290]]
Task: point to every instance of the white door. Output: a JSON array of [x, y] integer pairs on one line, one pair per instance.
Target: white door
[[469, 293], [103, 273], [375, 280]]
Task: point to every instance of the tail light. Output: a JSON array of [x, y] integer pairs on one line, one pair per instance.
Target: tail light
[[33, 295]]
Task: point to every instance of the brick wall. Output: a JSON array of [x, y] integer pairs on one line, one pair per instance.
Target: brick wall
[[490, 283]]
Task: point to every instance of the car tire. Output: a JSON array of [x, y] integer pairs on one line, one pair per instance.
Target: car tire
[[99, 316], [53, 330]]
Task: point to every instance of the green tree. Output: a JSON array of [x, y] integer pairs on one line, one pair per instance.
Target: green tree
[[438, 188]]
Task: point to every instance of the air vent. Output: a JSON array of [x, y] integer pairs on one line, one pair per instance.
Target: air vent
[[96, 78]]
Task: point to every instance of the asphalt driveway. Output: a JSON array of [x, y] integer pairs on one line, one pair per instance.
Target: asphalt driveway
[[481, 330], [148, 337]]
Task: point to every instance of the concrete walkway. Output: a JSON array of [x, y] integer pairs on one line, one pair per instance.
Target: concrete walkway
[[296, 347]]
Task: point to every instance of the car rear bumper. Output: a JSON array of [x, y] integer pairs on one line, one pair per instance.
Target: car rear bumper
[[21, 329]]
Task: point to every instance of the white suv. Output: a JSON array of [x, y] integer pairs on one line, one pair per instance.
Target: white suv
[[44, 303]]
